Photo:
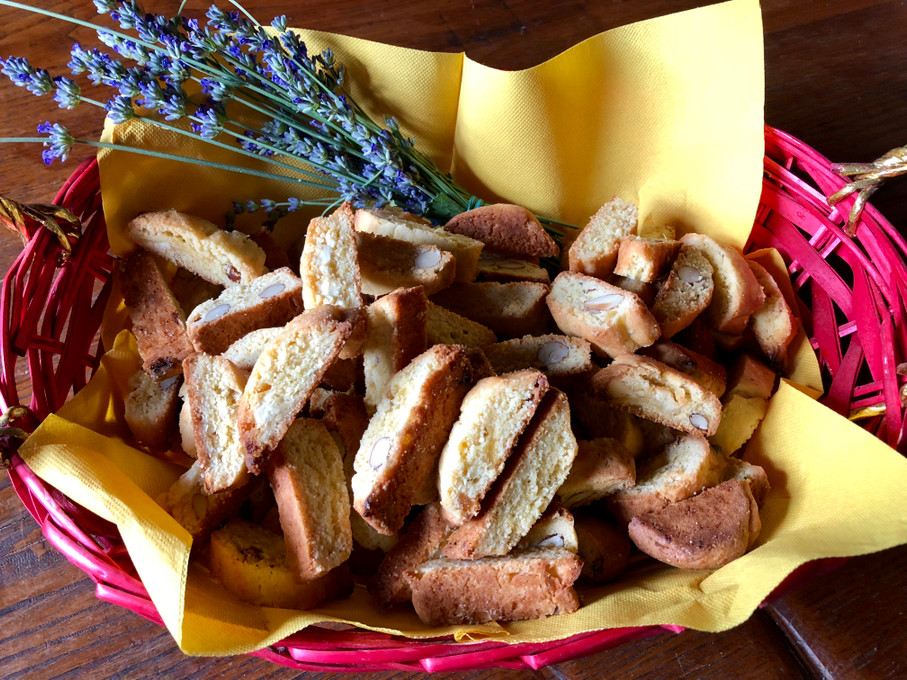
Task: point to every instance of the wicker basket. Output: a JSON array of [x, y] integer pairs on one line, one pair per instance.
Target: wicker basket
[[853, 293]]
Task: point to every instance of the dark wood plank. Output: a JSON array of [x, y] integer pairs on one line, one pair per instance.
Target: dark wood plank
[[820, 616]]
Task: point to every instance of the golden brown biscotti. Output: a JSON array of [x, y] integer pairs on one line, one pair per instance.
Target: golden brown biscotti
[[494, 267], [344, 414], [422, 541], [554, 355], [198, 512], [773, 324], [214, 387], [150, 410], [444, 327], [594, 418], [686, 293], [708, 373], [510, 310], [306, 475], [251, 562], [396, 336], [492, 416], [464, 249], [158, 322], [218, 256], [526, 487], [186, 430], [650, 389], [594, 252], [329, 266], [505, 228], [602, 467], [683, 468], [644, 259], [398, 455], [386, 264], [515, 587], [554, 529], [645, 291], [613, 320], [603, 548], [703, 532], [286, 372], [737, 291], [270, 300]]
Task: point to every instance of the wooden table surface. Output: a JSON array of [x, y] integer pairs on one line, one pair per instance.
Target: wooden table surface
[[836, 77]]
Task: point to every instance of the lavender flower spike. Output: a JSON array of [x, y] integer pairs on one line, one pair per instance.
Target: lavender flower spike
[[58, 144]]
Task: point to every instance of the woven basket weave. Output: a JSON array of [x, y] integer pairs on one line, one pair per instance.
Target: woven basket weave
[[853, 293]]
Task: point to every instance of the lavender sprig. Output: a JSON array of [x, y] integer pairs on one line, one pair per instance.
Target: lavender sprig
[[208, 81]]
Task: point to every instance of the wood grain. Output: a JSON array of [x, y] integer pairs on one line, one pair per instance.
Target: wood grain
[[835, 78]]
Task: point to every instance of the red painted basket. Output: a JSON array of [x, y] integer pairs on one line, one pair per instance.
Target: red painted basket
[[853, 292]]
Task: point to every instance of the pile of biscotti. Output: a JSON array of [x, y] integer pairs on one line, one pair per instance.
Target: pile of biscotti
[[424, 409]]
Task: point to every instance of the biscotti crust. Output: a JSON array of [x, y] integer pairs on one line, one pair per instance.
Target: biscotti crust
[[386, 264], [400, 448], [594, 251], [218, 256], [158, 322], [505, 228], [516, 587]]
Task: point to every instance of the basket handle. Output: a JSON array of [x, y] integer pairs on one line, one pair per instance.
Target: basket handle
[[866, 179]]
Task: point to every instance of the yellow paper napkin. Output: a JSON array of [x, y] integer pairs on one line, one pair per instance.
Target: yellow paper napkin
[[668, 112]]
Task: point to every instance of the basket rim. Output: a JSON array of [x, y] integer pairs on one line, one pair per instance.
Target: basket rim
[[320, 651]]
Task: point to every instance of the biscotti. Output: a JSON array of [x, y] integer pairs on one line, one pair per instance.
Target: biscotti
[[150, 410], [594, 252], [444, 327], [710, 374], [650, 389], [399, 451], [306, 474], [511, 588], [422, 541], [198, 512], [555, 355], [329, 267], [686, 293], [554, 529], [531, 477], [286, 372], [774, 324], [603, 548], [244, 352], [492, 416], [602, 467], [158, 322], [494, 267], [270, 300], [505, 228], [218, 256], [464, 249], [703, 532], [683, 468], [386, 264], [511, 310], [737, 291], [615, 321], [251, 562], [644, 259], [214, 387], [396, 336]]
